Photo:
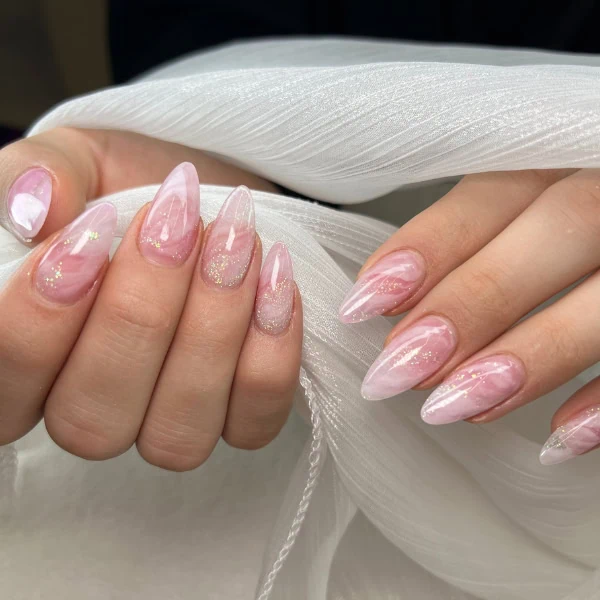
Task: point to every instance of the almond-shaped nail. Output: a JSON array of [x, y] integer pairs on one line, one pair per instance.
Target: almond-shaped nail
[[410, 358], [275, 294], [71, 265], [578, 435], [169, 232], [384, 286], [28, 202], [474, 389], [230, 243]]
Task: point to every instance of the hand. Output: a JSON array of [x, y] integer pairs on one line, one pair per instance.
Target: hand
[[468, 269], [178, 341]]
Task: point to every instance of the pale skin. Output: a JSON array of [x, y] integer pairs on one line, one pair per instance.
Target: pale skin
[[494, 248]]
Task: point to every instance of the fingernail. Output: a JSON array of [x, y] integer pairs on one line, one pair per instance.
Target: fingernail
[[168, 234], [230, 243], [29, 201], [71, 265], [411, 357], [383, 287], [474, 389], [576, 436], [275, 294]]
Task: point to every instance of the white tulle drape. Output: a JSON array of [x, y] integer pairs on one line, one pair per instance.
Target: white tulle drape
[[366, 503]]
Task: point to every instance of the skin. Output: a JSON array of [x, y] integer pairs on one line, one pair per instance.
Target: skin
[[495, 247], [152, 355]]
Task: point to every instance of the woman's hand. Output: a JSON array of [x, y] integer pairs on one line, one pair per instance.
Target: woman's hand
[[467, 270], [179, 341]]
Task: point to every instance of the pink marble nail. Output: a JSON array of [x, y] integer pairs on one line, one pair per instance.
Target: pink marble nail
[[169, 232], [411, 357], [474, 389], [384, 286], [71, 265], [275, 294], [29, 202], [578, 435], [230, 243]]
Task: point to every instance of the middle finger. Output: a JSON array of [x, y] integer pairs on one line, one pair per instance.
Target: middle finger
[[549, 246]]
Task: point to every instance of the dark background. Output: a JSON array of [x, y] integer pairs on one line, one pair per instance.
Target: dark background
[[53, 49]]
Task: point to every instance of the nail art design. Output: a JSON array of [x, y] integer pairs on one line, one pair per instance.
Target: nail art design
[[474, 389], [230, 243], [71, 265], [29, 202], [169, 231], [383, 287], [575, 437], [411, 357], [275, 294]]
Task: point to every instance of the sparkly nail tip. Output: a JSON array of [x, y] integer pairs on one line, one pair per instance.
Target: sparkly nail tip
[[383, 287], [474, 389], [575, 437], [275, 294], [29, 202], [410, 358], [168, 234], [71, 265], [230, 243]]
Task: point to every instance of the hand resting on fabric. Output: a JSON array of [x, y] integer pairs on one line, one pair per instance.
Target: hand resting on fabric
[[178, 341]]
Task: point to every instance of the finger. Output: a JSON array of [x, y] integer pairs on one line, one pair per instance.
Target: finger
[[186, 416], [530, 360], [44, 307], [576, 426], [427, 248], [548, 247], [268, 368], [98, 402], [46, 179]]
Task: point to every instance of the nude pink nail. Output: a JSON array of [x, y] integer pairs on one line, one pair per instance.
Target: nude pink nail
[[411, 357], [230, 243], [474, 389], [29, 202], [275, 294], [71, 265], [578, 435], [384, 286], [169, 232]]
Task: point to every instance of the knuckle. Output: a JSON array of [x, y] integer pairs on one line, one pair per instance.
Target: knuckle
[[86, 434], [561, 337], [250, 438], [141, 316], [486, 287], [577, 204], [170, 444]]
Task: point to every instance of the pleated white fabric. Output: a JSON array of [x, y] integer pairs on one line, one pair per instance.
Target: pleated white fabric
[[366, 502]]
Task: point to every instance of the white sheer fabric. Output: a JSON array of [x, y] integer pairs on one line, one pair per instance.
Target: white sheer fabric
[[370, 503]]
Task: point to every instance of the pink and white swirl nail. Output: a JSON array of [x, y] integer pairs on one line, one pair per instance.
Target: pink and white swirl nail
[[474, 389], [230, 243], [28, 202], [578, 435], [170, 228], [410, 358], [71, 265], [275, 294], [384, 286]]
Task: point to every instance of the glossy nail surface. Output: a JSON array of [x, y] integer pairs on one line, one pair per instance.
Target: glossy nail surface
[[71, 265], [230, 243], [170, 229], [411, 357], [275, 294], [474, 389], [29, 202], [383, 287], [576, 436]]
